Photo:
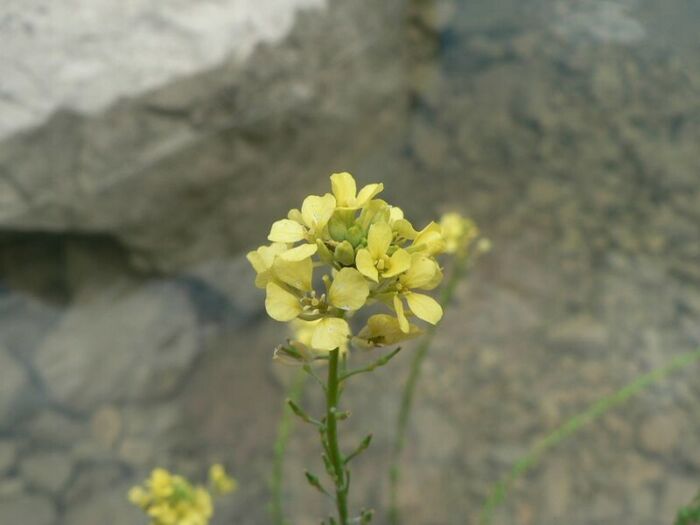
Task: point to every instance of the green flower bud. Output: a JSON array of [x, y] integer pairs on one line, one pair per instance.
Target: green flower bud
[[345, 254], [337, 229], [355, 235]]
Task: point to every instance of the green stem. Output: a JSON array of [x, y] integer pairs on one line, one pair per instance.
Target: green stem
[[284, 430], [458, 272], [597, 409], [331, 434]]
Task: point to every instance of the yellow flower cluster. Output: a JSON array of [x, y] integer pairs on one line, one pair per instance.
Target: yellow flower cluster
[[368, 252], [459, 232], [169, 499]]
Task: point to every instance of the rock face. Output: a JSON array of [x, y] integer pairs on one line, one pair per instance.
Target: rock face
[[177, 172], [136, 347], [14, 383], [88, 68]]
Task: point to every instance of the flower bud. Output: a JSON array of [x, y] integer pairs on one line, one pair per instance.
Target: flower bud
[[337, 229], [355, 235], [345, 254]]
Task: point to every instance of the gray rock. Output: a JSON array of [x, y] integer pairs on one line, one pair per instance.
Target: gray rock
[[11, 487], [28, 510], [162, 169], [8, 455], [92, 478], [106, 425], [50, 428], [107, 507], [163, 43], [661, 433], [148, 431], [47, 471], [580, 333], [14, 384], [121, 347]]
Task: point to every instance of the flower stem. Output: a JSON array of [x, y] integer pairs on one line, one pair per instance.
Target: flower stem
[[596, 410], [331, 436], [459, 270]]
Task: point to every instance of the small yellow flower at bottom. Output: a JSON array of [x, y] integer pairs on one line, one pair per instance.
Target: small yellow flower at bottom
[[220, 481], [169, 499]]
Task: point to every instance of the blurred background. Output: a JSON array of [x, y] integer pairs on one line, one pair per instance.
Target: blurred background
[[146, 146]]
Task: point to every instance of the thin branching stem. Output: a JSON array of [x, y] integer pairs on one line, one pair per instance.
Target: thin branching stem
[[372, 366], [597, 409], [459, 270]]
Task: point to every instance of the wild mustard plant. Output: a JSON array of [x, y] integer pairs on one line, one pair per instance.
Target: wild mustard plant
[[367, 254], [169, 499]]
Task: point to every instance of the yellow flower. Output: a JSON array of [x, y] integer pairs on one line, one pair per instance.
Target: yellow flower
[[220, 481], [374, 261], [383, 330], [292, 296], [424, 273], [345, 191], [262, 259], [428, 241], [457, 231], [139, 497], [161, 483], [291, 283], [306, 225], [303, 333], [171, 500], [349, 290]]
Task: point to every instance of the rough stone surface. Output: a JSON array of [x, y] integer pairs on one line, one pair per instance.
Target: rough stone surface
[[77, 58], [8, 455], [48, 471], [14, 383], [139, 346], [28, 510], [662, 433], [174, 173]]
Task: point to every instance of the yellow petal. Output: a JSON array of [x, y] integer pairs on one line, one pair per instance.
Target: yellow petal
[[280, 304], [365, 264], [395, 214], [383, 329], [376, 210], [421, 273], [378, 239], [429, 240], [330, 333], [349, 290], [368, 193], [435, 281], [399, 262], [286, 230], [404, 229], [303, 251], [262, 258], [344, 188], [316, 211], [400, 315], [425, 307], [296, 274]]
